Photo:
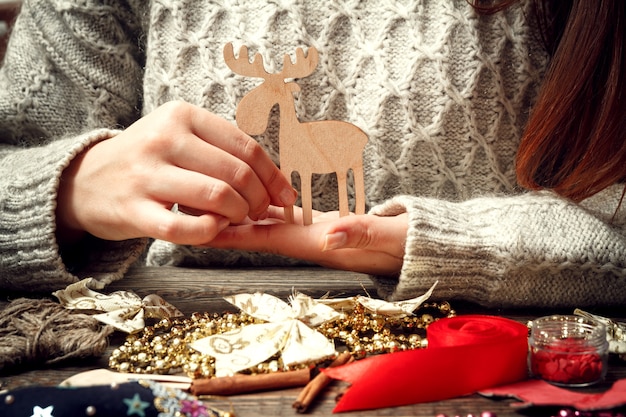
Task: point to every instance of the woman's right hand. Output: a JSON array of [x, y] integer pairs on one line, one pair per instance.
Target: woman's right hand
[[125, 187]]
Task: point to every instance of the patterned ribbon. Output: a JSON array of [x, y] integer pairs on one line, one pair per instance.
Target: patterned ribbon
[[289, 328], [124, 310], [465, 354]]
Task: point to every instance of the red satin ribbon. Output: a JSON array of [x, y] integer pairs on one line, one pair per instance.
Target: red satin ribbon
[[465, 354]]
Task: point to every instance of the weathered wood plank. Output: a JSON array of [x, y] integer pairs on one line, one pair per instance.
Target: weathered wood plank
[[203, 290]]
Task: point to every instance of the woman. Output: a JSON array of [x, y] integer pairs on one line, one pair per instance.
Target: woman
[[128, 110]]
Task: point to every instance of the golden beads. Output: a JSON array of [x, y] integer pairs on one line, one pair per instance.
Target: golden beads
[[164, 348], [364, 333]]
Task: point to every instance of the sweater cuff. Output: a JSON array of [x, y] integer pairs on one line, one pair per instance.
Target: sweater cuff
[[533, 249], [441, 247], [31, 258]]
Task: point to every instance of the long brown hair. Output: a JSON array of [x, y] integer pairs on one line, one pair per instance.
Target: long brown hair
[[575, 138]]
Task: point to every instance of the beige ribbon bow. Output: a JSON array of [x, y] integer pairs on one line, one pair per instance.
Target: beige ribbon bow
[[124, 310], [615, 332], [394, 309], [288, 329]]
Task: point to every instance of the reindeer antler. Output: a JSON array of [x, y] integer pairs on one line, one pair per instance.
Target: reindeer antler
[[242, 65], [303, 66]]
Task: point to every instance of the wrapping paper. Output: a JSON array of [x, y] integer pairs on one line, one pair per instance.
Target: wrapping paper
[[536, 392]]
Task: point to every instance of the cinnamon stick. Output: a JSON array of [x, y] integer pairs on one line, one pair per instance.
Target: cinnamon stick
[[317, 384], [240, 383]]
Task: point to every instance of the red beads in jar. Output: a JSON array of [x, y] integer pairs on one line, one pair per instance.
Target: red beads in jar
[[568, 350]]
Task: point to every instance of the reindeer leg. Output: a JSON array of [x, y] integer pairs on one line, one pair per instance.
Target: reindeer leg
[[359, 188], [307, 203], [342, 189]]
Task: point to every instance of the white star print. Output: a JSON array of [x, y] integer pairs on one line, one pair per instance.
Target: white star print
[[42, 412]]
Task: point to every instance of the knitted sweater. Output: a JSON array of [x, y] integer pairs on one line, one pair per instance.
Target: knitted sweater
[[441, 92]]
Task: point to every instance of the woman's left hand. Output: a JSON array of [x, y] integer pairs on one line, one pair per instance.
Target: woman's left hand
[[362, 243]]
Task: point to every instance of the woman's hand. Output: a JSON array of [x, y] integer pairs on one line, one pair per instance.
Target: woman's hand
[[362, 243], [125, 187]]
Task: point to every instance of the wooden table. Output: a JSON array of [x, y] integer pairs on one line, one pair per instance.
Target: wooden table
[[201, 290]]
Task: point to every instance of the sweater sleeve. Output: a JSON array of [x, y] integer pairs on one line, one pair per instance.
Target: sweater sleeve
[[534, 249], [70, 78]]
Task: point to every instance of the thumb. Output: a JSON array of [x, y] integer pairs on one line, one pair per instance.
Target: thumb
[[348, 232], [378, 233]]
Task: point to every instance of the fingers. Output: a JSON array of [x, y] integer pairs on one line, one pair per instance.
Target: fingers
[[180, 228], [199, 194], [355, 252], [217, 165], [368, 232], [224, 135], [181, 154]]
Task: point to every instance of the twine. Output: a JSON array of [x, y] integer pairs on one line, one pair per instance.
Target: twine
[[42, 331]]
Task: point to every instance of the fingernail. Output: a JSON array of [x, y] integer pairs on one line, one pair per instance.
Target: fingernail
[[288, 196], [335, 241]]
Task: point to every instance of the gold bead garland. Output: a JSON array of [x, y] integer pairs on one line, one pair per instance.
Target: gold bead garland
[[364, 333], [163, 348]]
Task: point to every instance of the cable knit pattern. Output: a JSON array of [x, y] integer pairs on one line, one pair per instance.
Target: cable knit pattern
[[442, 93], [540, 258]]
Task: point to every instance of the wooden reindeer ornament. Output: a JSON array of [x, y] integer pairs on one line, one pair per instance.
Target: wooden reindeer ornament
[[318, 147]]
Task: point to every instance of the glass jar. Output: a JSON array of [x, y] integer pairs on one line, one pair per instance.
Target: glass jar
[[569, 351]]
